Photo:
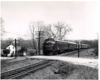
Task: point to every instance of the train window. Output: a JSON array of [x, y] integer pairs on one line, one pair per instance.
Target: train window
[[51, 42]]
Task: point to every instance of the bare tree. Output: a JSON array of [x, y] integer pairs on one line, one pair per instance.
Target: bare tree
[[49, 32], [31, 29], [58, 33], [20, 41], [2, 26], [34, 33], [45, 28], [61, 30], [9, 41]]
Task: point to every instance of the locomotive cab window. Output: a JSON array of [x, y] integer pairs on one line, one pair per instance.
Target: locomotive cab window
[[51, 42]]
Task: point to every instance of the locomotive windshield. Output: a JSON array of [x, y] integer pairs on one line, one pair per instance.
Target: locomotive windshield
[[53, 42], [49, 41]]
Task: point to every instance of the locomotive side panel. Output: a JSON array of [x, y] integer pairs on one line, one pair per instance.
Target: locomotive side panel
[[84, 46], [72, 46], [62, 46]]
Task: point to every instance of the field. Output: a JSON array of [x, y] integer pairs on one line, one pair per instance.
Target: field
[[71, 71], [87, 53], [64, 70]]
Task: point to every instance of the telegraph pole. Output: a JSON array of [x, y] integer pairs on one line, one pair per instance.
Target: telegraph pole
[[78, 49], [39, 42], [40, 35], [15, 48]]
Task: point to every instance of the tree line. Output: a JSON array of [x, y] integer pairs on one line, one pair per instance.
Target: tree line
[[29, 43], [58, 31]]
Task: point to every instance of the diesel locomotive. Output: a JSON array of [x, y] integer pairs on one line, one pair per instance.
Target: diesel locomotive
[[54, 47]]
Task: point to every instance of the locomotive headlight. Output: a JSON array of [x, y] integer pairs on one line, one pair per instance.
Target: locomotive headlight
[[47, 46], [51, 45]]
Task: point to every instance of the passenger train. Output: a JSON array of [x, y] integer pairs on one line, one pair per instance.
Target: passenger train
[[54, 47]]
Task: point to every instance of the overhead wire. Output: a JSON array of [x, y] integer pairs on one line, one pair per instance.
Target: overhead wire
[[16, 34]]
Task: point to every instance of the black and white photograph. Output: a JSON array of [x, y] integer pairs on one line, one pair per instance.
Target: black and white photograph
[[49, 39]]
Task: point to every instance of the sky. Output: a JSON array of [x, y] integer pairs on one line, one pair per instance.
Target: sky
[[81, 15]]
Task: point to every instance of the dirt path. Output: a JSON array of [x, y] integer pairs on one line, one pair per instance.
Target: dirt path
[[79, 61], [82, 60]]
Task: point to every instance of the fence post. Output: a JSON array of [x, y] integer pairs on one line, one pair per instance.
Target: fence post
[[78, 50]]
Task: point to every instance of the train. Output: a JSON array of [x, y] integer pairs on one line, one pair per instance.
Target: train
[[55, 47]]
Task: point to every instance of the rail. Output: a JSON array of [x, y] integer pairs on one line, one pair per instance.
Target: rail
[[20, 72]]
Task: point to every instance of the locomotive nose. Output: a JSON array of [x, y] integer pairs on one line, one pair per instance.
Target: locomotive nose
[[48, 47]]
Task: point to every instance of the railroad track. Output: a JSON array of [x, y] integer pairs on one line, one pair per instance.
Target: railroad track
[[21, 72], [11, 63]]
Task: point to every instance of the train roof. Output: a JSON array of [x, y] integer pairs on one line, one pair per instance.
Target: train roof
[[85, 44], [66, 41], [72, 42], [49, 39]]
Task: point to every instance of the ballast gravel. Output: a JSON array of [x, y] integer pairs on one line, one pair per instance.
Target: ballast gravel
[[45, 73], [23, 63]]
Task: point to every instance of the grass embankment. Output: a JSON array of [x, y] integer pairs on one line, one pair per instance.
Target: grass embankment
[[71, 71]]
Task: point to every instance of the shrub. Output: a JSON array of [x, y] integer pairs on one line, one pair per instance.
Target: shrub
[[31, 52], [71, 71], [6, 51], [24, 49], [21, 51], [64, 68]]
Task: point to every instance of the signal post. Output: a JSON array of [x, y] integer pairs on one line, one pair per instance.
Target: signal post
[[40, 35], [15, 41], [78, 49]]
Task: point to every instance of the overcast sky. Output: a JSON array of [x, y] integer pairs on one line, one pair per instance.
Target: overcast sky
[[83, 16]]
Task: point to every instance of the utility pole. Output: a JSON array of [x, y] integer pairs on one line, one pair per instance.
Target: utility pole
[[78, 49], [15, 48], [39, 42], [40, 36]]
